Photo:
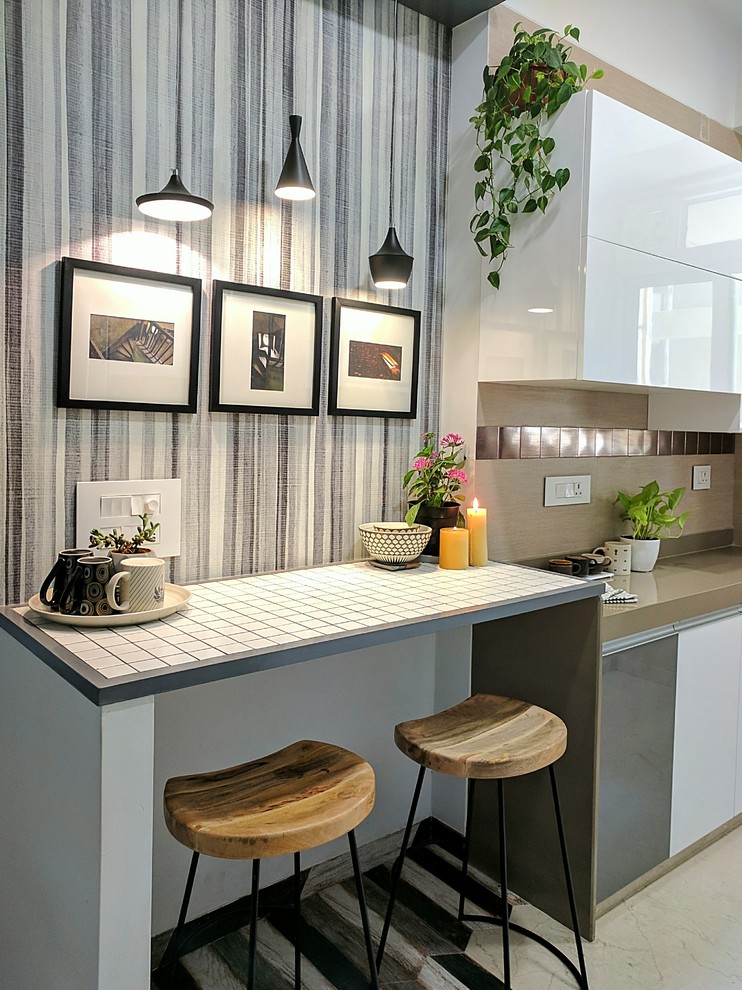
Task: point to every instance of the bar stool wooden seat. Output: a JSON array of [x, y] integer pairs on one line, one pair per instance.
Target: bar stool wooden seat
[[488, 737], [295, 799]]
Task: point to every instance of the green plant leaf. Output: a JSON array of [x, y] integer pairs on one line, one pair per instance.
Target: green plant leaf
[[505, 195], [597, 74], [494, 279], [530, 206], [482, 163]]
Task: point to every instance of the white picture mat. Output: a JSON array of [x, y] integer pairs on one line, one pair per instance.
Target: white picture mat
[[377, 328], [236, 351], [102, 294]]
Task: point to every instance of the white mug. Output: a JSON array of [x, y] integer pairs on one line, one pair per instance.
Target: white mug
[[618, 556], [144, 585]]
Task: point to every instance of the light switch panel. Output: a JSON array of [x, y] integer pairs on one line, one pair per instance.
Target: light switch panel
[[106, 505], [570, 490]]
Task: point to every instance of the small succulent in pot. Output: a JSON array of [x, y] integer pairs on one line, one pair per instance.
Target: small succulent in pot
[[117, 542]]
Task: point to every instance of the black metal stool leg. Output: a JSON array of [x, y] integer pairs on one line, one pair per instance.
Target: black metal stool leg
[[297, 905], [568, 877], [253, 924], [397, 868], [364, 910], [467, 843], [171, 954], [504, 884]]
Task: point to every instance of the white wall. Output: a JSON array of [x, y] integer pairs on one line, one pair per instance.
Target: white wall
[[459, 368], [687, 49]]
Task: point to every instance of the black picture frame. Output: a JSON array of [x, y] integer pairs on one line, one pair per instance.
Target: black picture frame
[[393, 403], [178, 369], [239, 392]]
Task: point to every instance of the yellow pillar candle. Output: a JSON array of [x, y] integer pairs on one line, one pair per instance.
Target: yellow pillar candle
[[476, 520], [454, 553]]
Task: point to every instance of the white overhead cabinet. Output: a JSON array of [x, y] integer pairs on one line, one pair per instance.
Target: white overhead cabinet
[[638, 262]]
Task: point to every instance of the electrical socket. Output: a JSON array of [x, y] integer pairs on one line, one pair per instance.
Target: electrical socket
[[569, 490], [701, 477]]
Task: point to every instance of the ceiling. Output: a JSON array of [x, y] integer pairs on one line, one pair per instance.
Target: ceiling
[[450, 12]]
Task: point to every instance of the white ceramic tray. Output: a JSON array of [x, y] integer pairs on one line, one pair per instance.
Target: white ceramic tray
[[175, 596]]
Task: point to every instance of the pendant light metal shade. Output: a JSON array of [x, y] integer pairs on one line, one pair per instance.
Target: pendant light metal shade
[[390, 266], [295, 181], [174, 202]]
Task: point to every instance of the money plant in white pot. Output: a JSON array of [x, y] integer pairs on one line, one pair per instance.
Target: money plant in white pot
[[653, 517]]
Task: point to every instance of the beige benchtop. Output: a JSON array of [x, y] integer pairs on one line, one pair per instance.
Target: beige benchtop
[[681, 587]]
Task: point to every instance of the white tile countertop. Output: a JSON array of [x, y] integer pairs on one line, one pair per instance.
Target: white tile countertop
[[252, 623]]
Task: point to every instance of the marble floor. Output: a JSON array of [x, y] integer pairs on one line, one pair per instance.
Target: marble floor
[[684, 932]]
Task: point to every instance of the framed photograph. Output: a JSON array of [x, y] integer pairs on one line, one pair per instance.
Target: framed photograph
[[266, 349], [128, 338], [374, 360]]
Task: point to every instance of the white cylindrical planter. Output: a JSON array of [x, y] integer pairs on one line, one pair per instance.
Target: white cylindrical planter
[[643, 553]]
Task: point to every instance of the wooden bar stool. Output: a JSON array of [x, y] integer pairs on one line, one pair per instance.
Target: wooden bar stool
[[487, 737], [295, 799]]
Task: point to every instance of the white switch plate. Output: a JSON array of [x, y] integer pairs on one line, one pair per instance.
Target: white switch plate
[[106, 505], [573, 489], [701, 477]]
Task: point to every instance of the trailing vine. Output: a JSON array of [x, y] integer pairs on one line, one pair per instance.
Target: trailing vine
[[531, 83]]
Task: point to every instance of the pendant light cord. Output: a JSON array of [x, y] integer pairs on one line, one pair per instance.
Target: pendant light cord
[[394, 107], [178, 94]]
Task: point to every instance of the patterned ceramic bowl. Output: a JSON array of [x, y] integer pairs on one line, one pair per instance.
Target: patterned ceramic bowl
[[394, 543]]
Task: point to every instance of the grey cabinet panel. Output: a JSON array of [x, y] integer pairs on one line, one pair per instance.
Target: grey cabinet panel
[[636, 754]]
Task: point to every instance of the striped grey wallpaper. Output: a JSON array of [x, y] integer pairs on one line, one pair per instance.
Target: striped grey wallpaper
[[90, 120]]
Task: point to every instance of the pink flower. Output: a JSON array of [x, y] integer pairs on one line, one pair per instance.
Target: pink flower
[[452, 440], [456, 474], [421, 463]]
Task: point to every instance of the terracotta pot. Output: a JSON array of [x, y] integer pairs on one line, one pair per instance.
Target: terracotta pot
[[438, 518], [119, 558]]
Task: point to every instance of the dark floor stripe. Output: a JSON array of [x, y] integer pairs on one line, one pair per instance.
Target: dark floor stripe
[[468, 972], [415, 903], [476, 892], [322, 952], [181, 979], [233, 949]]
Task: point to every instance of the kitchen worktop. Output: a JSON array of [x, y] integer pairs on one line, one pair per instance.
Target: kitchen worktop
[[681, 587], [247, 624]]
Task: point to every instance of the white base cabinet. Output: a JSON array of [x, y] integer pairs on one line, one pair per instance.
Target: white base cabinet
[[706, 767]]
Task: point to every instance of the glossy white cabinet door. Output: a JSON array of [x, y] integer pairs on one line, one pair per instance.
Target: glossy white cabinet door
[[657, 190], [651, 321], [541, 272], [706, 718]]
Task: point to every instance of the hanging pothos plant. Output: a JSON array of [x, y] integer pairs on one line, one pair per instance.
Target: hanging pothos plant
[[531, 83]]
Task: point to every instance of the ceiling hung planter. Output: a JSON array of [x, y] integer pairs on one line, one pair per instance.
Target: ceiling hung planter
[[514, 171]]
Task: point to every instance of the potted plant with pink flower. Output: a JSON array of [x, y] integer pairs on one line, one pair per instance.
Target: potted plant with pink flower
[[433, 485]]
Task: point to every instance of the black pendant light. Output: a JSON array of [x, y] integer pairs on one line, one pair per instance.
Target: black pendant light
[[295, 181], [174, 201], [391, 266]]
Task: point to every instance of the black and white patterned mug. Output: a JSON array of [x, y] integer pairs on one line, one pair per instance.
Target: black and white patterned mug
[[56, 580], [86, 592]]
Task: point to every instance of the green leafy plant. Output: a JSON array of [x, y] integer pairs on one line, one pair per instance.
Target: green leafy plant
[[651, 511], [436, 475], [531, 83], [117, 541]]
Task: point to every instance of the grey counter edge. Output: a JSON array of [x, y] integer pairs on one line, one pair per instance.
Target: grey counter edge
[[102, 691]]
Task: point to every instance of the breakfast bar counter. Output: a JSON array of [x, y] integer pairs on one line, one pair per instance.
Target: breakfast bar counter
[[94, 720], [246, 624]]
